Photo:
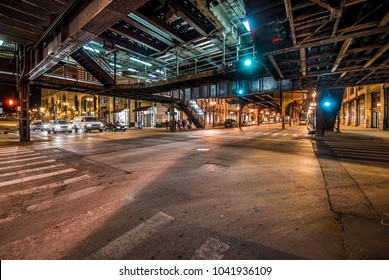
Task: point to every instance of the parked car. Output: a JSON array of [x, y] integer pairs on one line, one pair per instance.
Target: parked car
[[115, 127], [230, 123], [246, 123], [42, 126], [59, 126], [87, 124]]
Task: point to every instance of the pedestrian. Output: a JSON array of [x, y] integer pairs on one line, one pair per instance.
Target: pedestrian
[[184, 124], [167, 124]]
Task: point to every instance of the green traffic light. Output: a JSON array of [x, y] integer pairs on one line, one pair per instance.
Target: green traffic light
[[247, 62]]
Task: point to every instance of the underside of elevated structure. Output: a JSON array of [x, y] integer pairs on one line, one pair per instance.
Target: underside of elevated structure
[[152, 49]]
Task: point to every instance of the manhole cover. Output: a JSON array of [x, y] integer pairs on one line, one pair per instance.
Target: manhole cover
[[214, 167]]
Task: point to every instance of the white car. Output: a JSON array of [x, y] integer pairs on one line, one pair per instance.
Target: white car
[[59, 126], [87, 124]]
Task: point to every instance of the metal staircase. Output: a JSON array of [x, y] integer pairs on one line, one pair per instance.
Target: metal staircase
[[194, 112], [93, 67]]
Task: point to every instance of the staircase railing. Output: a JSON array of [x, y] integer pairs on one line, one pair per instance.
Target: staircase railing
[[194, 112]]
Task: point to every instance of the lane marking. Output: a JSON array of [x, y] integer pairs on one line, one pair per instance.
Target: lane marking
[[31, 170], [45, 187], [211, 249], [59, 200], [27, 164], [16, 153], [19, 160], [20, 156], [36, 177], [122, 245]]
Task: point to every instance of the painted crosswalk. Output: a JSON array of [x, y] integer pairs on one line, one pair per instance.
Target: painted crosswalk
[[360, 150], [18, 179]]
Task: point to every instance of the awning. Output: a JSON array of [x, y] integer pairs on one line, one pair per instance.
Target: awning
[[144, 108]]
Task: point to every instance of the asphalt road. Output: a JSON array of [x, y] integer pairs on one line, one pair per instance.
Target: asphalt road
[[259, 193]]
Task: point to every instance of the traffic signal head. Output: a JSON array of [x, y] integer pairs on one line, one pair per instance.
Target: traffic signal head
[[11, 102], [327, 104], [247, 62]]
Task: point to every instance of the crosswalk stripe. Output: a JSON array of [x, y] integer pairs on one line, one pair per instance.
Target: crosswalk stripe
[[59, 200], [211, 249], [26, 164], [14, 149], [122, 245], [20, 155], [36, 177], [16, 153], [45, 187], [31, 170], [19, 160]]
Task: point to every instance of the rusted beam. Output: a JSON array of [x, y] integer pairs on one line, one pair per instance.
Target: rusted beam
[[384, 21], [289, 15], [276, 67], [331, 40], [149, 31], [342, 53], [380, 52], [135, 36], [94, 19], [338, 17], [303, 61], [324, 5], [354, 2], [154, 20]]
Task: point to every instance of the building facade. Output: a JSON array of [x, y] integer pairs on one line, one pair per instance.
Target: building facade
[[366, 106]]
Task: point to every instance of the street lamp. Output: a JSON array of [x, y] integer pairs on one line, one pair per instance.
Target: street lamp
[[42, 110], [213, 104], [65, 104], [89, 100]]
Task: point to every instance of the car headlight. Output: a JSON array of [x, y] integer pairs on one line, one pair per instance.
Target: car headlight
[[69, 126], [45, 126], [88, 125], [101, 125], [57, 126]]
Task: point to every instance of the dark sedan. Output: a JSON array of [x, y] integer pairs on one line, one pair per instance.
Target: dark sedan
[[114, 127]]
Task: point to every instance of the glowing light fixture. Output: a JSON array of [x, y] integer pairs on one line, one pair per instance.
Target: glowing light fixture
[[140, 61], [91, 49], [132, 70], [247, 25], [117, 65], [1, 42], [327, 103], [247, 62]]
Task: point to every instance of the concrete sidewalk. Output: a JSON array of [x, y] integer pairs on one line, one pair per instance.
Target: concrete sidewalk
[[355, 165]]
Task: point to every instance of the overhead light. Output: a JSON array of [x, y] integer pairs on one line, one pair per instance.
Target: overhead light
[[140, 61], [1, 42], [117, 65], [159, 71], [208, 46], [132, 70], [151, 75], [247, 25], [203, 43], [91, 49]]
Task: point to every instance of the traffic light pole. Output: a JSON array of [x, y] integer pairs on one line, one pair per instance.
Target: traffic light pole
[[23, 109]]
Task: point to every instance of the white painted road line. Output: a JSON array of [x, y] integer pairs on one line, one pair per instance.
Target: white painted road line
[[45, 187], [122, 245], [36, 177], [212, 249], [31, 170], [26, 164], [62, 199], [16, 153], [19, 155], [19, 160]]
